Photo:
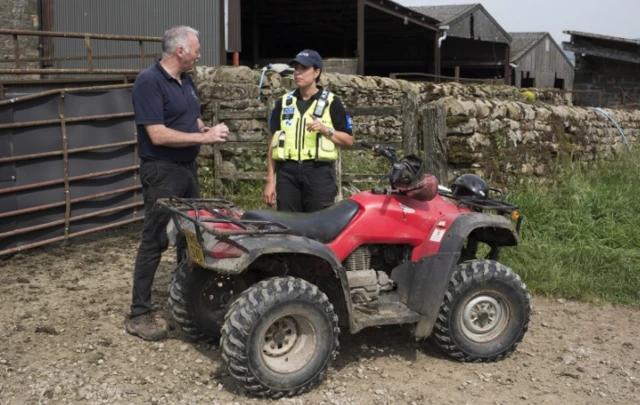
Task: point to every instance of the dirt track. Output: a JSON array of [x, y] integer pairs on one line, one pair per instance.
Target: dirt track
[[62, 340]]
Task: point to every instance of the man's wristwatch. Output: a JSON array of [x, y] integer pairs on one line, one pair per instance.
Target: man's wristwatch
[[331, 132]]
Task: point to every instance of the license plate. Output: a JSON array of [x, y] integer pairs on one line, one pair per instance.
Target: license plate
[[195, 250]]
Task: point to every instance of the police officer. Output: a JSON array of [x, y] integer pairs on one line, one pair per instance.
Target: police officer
[[308, 126]]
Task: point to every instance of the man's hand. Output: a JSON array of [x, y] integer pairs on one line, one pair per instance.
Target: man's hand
[[317, 126], [204, 129], [269, 195], [217, 134]]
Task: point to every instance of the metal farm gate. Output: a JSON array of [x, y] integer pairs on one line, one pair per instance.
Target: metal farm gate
[[68, 154], [68, 165]]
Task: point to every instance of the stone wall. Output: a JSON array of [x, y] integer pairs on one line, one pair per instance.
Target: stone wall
[[510, 141], [19, 14], [494, 131], [346, 66]]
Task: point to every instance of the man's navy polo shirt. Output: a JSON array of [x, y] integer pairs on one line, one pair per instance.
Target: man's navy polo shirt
[[158, 98]]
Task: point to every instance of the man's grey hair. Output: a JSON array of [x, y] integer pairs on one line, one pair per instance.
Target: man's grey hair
[[176, 37]]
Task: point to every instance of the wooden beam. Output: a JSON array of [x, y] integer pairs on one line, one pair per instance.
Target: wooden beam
[[507, 67], [360, 36], [472, 63], [437, 58], [410, 114], [256, 33], [434, 132], [601, 52], [223, 43], [378, 111], [241, 114]]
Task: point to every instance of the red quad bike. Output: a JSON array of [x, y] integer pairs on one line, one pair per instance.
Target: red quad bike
[[278, 288]]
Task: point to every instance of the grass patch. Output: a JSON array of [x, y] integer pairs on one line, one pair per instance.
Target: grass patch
[[579, 237], [358, 161], [246, 194]]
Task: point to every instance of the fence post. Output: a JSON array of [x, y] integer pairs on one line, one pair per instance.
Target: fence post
[[217, 155], [65, 165], [87, 42], [434, 133], [410, 128]]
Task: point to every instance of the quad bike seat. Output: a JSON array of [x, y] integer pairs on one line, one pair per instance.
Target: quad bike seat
[[323, 226]]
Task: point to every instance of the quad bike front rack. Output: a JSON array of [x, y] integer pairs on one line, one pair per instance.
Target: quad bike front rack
[[499, 205]]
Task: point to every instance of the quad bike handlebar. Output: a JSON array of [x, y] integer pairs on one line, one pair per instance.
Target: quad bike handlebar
[[381, 150]]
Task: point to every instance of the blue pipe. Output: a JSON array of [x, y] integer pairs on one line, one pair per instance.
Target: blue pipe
[[264, 70], [603, 112]]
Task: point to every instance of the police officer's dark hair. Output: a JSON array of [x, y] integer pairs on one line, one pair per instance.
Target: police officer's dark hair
[[318, 78]]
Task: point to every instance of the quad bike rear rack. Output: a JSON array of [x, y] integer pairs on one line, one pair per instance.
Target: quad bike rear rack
[[219, 214]]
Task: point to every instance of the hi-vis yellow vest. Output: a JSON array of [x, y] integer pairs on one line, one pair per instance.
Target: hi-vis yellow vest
[[294, 141]]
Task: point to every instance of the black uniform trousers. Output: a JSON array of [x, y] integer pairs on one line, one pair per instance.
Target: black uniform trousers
[[305, 186], [160, 179]]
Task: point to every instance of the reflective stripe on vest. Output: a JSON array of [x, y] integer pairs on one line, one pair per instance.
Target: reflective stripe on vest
[[294, 141]]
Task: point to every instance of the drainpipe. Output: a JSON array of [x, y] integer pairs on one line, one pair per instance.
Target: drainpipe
[[443, 33], [444, 29]]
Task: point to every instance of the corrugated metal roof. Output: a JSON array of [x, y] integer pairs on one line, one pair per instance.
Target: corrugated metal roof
[[445, 14], [522, 42]]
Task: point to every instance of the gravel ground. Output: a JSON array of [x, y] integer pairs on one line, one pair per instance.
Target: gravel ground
[[62, 341]]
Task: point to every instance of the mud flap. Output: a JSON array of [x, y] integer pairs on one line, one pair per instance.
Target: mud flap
[[422, 285]]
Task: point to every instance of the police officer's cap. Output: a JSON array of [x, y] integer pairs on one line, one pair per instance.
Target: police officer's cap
[[308, 57]]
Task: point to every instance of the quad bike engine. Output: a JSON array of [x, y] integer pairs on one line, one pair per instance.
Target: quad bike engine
[[368, 269]]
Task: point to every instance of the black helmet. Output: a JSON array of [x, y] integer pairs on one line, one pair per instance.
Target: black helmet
[[408, 172], [470, 185]]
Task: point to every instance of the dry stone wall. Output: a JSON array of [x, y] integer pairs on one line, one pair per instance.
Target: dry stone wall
[[494, 131], [510, 141]]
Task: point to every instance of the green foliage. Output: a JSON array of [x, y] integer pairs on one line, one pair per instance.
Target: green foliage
[[579, 237], [246, 194]]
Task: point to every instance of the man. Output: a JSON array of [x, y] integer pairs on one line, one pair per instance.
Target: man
[[170, 132], [308, 126]]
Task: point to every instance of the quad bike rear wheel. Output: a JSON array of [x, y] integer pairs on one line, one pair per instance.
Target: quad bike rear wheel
[[279, 337], [485, 312], [199, 300]]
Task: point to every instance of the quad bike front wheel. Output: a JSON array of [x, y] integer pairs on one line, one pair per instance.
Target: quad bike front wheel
[[199, 300], [279, 337], [485, 312]]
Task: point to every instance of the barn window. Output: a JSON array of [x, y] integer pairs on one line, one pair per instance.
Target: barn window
[[547, 45], [471, 27], [558, 83], [527, 82]]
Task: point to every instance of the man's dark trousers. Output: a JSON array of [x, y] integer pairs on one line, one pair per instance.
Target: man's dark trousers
[[160, 179]]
